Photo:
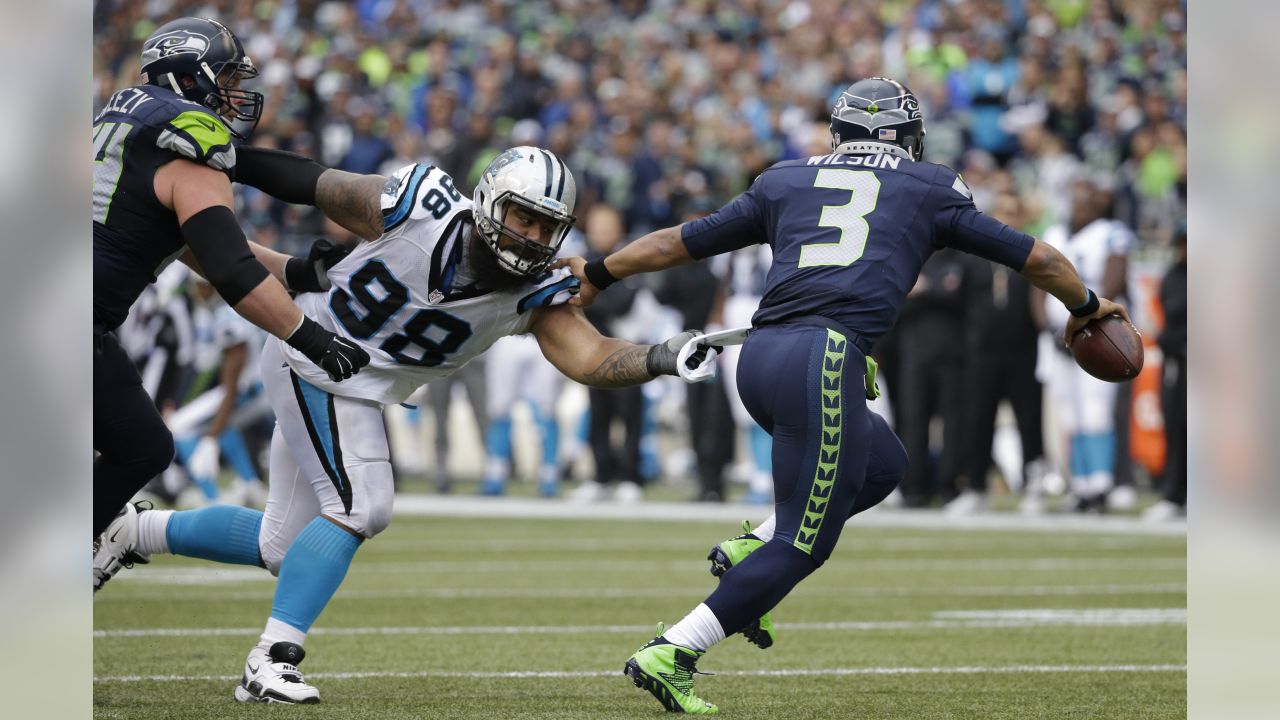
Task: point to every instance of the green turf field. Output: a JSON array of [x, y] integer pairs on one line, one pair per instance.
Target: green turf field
[[519, 618]]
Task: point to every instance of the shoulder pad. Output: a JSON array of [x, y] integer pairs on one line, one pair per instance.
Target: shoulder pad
[[420, 192], [400, 192], [553, 288], [196, 134]]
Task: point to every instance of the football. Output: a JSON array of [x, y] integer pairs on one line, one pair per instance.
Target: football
[[1109, 349]]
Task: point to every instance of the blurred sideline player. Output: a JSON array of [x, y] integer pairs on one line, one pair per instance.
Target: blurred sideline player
[[515, 369], [162, 162], [1083, 405], [226, 398], [435, 283], [747, 270], [850, 232]]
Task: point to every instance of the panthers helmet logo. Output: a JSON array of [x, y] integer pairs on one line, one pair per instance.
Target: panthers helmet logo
[[176, 43]]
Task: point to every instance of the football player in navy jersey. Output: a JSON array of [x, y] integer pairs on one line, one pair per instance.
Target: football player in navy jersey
[[849, 231], [162, 167]]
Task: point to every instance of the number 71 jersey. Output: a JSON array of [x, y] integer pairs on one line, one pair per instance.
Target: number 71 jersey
[[398, 298]]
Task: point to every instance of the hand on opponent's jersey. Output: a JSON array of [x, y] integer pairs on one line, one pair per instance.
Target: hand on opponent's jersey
[[586, 292], [336, 355], [310, 273]]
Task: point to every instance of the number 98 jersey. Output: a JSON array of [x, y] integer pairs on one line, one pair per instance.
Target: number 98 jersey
[[397, 296]]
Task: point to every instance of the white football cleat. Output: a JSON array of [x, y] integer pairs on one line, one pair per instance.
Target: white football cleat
[[273, 676], [115, 547]]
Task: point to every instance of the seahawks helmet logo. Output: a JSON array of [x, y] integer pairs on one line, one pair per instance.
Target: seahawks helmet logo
[[176, 43], [911, 106]]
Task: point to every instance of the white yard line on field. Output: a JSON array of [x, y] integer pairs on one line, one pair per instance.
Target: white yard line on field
[[133, 594], [456, 506], [577, 674], [957, 620]]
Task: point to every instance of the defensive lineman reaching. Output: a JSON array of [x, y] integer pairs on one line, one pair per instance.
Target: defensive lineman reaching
[[162, 161], [850, 232], [435, 283]]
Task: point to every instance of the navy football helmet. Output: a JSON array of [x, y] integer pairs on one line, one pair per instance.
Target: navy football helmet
[[878, 110], [213, 58]]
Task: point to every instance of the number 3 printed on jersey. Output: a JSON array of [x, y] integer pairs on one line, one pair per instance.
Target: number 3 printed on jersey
[[381, 295], [850, 219]]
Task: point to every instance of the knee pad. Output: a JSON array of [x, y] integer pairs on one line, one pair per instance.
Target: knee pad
[[272, 554], [372, 500], [156, 452]]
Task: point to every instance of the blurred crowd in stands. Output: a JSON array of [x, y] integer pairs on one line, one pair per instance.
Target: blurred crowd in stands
[[1056, 112]]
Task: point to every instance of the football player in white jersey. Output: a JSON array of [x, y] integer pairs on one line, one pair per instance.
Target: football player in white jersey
[[435, 282], [1083, 405], [225, 397]]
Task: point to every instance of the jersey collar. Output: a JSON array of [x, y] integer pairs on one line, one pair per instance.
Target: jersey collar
[[865, 147]]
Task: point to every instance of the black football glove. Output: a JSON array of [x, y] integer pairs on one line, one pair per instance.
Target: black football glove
[[310, 273], [336, 355], [661, 359]]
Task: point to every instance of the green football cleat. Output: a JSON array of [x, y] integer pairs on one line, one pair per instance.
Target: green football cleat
[[726, 555], [667, 671]]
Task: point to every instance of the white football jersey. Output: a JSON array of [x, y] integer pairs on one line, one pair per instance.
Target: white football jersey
[[1088, 250], [396, 296]]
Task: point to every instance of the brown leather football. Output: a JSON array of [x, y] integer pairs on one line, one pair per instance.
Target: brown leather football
[[1109, 348]]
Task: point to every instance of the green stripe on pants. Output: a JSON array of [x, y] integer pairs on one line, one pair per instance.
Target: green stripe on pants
[[824, 477]]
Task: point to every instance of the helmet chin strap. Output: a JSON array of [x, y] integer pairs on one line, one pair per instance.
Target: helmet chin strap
[[866, 147]]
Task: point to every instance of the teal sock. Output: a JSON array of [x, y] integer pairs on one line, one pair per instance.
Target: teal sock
[[222, 533], [311, 572]]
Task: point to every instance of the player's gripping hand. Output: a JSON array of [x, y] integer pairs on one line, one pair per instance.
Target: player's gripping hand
[[586, 291], [336, 355], [664, 358], [1105, 308], [310, 273]]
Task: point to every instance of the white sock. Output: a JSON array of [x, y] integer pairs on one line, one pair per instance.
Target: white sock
[[765, 531], [698, 630], [280, 631], [152, 525]]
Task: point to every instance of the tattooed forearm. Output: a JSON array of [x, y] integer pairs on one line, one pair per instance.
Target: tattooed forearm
[[352, 201], [625, 366]]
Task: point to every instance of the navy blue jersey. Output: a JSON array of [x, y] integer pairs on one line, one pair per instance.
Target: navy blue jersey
[[134, 236], [850, 233]]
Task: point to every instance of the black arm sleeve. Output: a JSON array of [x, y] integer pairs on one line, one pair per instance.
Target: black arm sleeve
[[283, 175], [223, 251]]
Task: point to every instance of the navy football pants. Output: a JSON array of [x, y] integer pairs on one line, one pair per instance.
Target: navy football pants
[[832, 458], [132, 441]]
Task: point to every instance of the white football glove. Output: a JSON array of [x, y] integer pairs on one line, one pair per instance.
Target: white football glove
[[203, 462]]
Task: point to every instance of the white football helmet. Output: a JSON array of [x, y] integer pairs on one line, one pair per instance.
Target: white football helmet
[[537, 180]]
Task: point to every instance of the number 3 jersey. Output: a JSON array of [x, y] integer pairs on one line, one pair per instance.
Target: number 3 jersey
[[401, 296], [850, 233]]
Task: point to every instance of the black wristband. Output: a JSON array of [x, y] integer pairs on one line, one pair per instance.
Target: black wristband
[[284, 175], [1089, 307], [310, 339], [598, 274], [660, 361]]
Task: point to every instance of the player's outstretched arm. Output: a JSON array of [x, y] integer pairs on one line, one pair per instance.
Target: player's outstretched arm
[[349, 199], [1052, 272], [659, 250], [579, 351], [200, 197]]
